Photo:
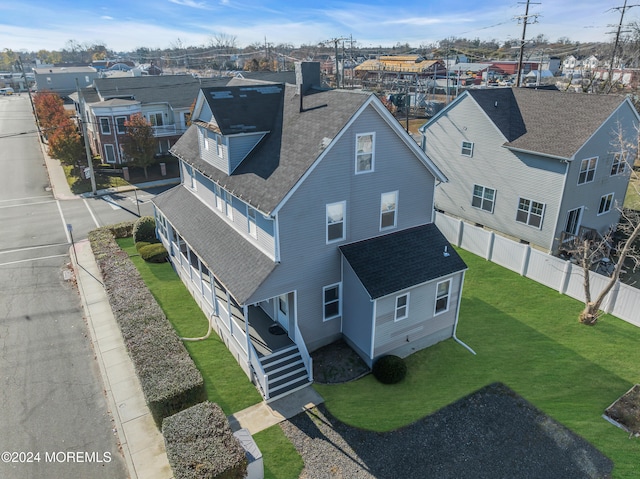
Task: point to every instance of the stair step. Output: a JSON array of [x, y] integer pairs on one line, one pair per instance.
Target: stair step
[[281, 363], [278, 355], [285, 386], [279, 369], [292, 376]]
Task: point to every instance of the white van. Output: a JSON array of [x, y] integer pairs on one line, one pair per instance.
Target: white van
[[6, 91]]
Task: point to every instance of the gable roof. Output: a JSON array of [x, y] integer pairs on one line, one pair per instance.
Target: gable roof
[[397, 261], [295, 142], [546, 122], [238, 265]]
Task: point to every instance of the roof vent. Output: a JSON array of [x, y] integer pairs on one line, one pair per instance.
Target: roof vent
[[446, 253], [495, 104]]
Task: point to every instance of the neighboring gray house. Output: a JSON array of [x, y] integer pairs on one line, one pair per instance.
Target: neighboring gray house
[[64, 80], [305, 216], [541, 166]]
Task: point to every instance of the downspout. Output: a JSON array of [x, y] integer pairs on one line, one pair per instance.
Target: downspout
[[455, 326]]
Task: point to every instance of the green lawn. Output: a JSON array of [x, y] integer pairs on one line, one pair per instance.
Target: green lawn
[[526, 336], [225, 382]]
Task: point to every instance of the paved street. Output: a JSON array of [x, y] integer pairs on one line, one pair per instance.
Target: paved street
[[54, 421]]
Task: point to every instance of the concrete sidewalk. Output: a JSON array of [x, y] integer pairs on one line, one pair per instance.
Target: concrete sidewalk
[[142, 443]]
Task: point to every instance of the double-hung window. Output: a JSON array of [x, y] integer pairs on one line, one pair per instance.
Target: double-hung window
[[402, 307], [335, 218], [331, 301], [587, 170], [483, 198], [467, 148], [110, 153], [442, 296], [388, 208], [105, 128], [365, 152], [228, 204], [618, 167], [219, 200], [120, 127], [251, 219], [530, 212], [606, 202]]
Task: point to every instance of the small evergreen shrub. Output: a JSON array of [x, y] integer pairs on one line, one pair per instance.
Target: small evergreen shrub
[[122, 230], [389, 369], [142, 244], [144, 229], [152, 252], [201, 445]]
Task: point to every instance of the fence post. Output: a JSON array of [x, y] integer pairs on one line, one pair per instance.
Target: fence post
[[489, 254], [612, 297], [525, 260], [564, 280], [460, 233]]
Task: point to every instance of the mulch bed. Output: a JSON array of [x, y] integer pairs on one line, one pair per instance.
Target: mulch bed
[[337, 363], [626, 411]]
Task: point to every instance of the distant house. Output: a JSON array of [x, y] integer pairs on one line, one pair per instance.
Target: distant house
[[165, 101], [305, 216], [590, 63], [64, 80], [390, 67], [539, 166]]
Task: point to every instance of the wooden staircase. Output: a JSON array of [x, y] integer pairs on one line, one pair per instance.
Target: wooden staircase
[[285, 371]]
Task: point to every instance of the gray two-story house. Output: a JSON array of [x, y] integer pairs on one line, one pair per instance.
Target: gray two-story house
[[305, 216], [544, 167]]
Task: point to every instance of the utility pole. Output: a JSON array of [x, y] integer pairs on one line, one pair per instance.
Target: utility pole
[[622, 11], [86, 141], [335, 46], [26, 83], [525, 21]]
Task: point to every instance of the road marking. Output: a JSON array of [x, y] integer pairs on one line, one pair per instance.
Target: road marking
[[111, 202], [27, 204], [27, 198], [91, 213], [33, 247], [34, 259], [64, 223]]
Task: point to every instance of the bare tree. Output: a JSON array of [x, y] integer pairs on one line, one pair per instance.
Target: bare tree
[[622, 241]]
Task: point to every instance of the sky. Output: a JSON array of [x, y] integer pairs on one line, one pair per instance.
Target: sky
[[33, 25]]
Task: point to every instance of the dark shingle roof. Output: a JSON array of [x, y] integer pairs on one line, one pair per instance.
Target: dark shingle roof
[[178, 90], [294, 143], [393, 262], [237, 264], [549, 122]]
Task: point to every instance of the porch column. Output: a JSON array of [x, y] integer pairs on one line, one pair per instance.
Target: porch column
[[245, 312]]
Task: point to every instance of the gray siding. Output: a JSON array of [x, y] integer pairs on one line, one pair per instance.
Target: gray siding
[[210, 154], [492, 166], [601, 145], [358, 312], [240, 146], [301, 221], [265, 237], [390, 335]]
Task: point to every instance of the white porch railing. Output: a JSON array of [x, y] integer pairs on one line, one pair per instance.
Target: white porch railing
[[306, 357], [167, 130], [258, 371]]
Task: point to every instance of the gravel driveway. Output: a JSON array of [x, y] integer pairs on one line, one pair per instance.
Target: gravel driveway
[[492, 433]]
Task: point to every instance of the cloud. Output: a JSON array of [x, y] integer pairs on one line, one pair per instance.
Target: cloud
[[106, 17], [192, 4]]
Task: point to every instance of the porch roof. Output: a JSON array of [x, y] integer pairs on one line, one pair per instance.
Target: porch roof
[[237, 264], [396, 261]]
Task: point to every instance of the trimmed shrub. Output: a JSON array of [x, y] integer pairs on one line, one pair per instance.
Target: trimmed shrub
[[152, 252], [168, 376], [142, 244], [389, 369], [122, 230], [144, 229], [201, 445]]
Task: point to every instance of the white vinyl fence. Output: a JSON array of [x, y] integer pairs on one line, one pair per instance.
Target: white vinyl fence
[[565, 277]]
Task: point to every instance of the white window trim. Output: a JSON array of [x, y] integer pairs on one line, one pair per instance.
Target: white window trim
[[217, 190], [482, 198], [595, 167], [251, 221], [406, 307], [155, 114], [544, 209], [612, 195], [228, 204], [373, 153], [344, 222], [621, 160], [435, 306], [324, 304], [103, 121], [395, 211], [106, 157], [124, 128], [462, 148]]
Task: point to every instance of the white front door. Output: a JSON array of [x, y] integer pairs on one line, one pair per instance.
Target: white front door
[[282, 311]]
